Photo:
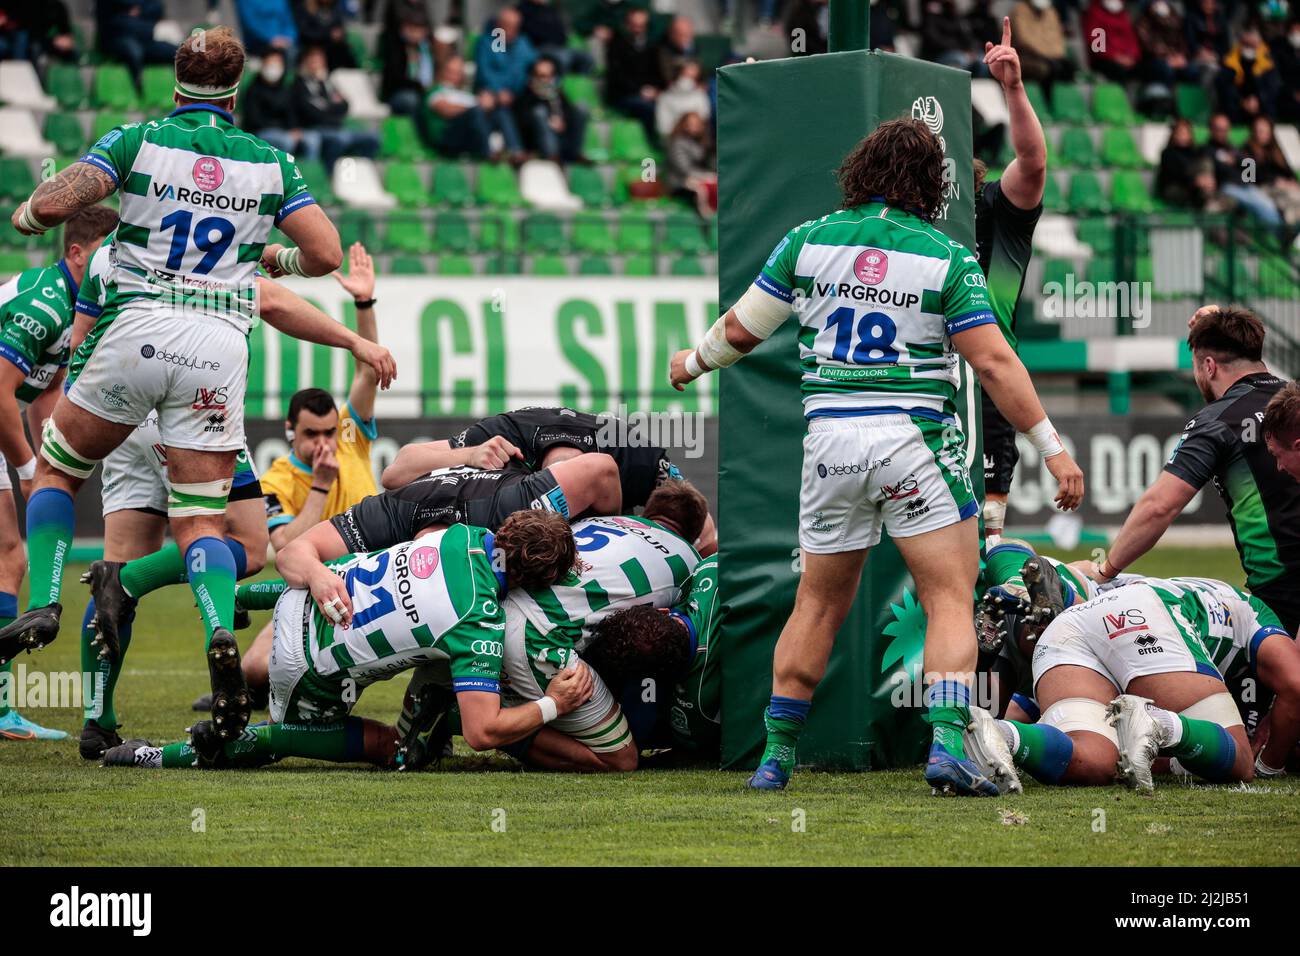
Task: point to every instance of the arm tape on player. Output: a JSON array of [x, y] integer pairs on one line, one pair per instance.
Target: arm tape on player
[[761, 314], [714, 349], [289, 261], [27, 219], [1043, 436]]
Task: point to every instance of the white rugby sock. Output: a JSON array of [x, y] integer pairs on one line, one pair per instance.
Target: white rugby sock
[[1010, 732], [1169, 721]]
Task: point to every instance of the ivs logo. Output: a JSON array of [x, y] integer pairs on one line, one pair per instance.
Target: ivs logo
[[1125, 622], [208, 174], [904, 489], [210, 399]]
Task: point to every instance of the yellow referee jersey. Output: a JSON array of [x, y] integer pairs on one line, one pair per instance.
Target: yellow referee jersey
[[287, 482]]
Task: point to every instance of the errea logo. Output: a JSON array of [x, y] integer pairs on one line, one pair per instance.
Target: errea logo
[[75, 909]]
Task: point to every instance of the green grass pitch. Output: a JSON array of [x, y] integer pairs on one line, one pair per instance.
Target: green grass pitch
[[60, 810]]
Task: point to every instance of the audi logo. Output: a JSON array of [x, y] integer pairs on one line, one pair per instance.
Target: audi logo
[[490, 648]]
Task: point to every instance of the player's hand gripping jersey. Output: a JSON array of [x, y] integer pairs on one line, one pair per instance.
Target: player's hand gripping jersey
[[432, 601]]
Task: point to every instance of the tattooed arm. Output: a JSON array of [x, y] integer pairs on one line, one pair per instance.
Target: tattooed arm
[[60, 197]]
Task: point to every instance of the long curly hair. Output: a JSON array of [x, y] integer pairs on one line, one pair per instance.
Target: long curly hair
[[902, 161], [538, 546], [638, 641]]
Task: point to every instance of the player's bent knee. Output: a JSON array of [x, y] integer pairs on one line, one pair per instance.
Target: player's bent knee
[[59, 453], [623, 760], [1093, 762]]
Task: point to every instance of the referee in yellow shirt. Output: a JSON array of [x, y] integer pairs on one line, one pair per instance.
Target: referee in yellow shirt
[[327, 470]]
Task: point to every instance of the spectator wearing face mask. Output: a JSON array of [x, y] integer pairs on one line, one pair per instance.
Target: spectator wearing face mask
[[1248, 83], [1163, 39], [268, 106], [684, 94], [1118, 57], [553, 127], [320, 110], [1040, 42]]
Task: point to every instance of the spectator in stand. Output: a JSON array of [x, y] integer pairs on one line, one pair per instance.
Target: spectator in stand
[[1112, 42], [602, 18], [503, 58], [1186, 174], [1248, 83], [320, 110], [1287, 54], [30, 31], [1207, 32], [320, 23], [1273, 174], [1232, 176], [949, 38], [266, 25], [124, 29], [691, 171], [674, 48], [553, 127], [457, 123], [408, 73], [1040, 42], [808, 22], [685, 94], [544, 25], [1163, 38], [632, 69], [268, 106]]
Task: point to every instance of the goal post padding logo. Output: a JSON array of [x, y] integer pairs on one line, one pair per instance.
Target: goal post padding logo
[[784, 126]]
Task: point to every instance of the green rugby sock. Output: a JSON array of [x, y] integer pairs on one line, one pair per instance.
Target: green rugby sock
[[50, 518], [260, 595], [1206, 749], [158, 570], [98, 706], [340, 742], [784, 720], [948, 712], [1042, 751], [210, 567]]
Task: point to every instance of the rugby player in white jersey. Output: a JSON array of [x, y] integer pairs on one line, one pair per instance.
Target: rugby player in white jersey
[[888, 302], [198, 200]]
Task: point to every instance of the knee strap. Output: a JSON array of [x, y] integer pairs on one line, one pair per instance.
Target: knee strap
[[56, 449], [1218, 709], [195, 499], [1080, 713]]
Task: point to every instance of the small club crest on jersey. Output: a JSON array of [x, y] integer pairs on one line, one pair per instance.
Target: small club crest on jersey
[[424, 561], [871, 267], [208, 174]]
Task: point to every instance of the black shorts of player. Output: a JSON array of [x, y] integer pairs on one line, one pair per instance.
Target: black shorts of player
[[1283, 599], [245, 492], [1000, 452], [447, 496]]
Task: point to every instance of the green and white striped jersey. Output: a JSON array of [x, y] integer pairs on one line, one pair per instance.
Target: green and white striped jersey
[[198, 199], [36, 309], [1229, 622], [878, 293], [695, 715], [435, 599], [622, 561]]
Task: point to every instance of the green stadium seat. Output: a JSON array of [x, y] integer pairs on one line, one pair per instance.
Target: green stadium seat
[[686, 266], [112, 88], [451, 232], [639, 266], [398, 139], [1101, 269], [627, 142], [549, 266], [1129, 193], [684, 233], [711, 234], [544, 233], [451, 185], [1053, 198], [65, 84], [354, 226], [587, 184], [497, 186], [1068, 105], [1057, 270], [404, 181], [65, 132], [595, 266], [505, 265], [1086, 194], [16, 179], [1076, 148], [318, 181], [1119, 151], [407, 234], [593, 144], [357, 45], [636, 233], [1099, 234], [498, 233], [1146, 269], [12, 263], [1110, 105], [157, 86], [407, 266], [1193, 102], [106, 120], [592, 234], [1038, 100], [455, 266], [581, 90]]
